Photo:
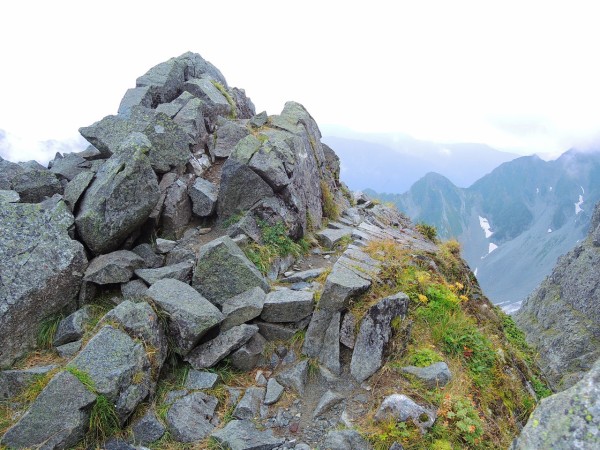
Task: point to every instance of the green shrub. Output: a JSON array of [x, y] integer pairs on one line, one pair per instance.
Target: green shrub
[[228, 97], [429, 231], [331, 210], [460, 417], [424, 357], [47, 331]]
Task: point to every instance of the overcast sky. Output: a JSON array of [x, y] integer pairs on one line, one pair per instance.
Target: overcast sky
[[517, 75]]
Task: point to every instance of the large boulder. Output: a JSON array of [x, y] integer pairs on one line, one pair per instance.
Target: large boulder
[[203, 194], [561, 319], [190, 316], [120, 199], [189, 418], [177, 209], [210, 353], [287, 305], [567, 420], [35, 185], [163, 80], [57, 419], [41, 269], [169, 144], [8, 171], [374, 334], [119, 368], [223, 271], [114, 267], [226, 137]]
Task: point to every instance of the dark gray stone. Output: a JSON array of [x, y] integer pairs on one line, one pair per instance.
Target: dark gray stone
[[259, 120], [567, 420], [117, 444], [190, 314], [181, 272], [347, 330], [242, 308], [172, 108], [244, 107], [189, 418], [112, 268], [112, 359], [139, 96], [12, 382], [165, 245], [279, 331], [69, 350], [147, 429], [58, 417], [134, 289], [306, 275], [8, 171], [249, 406], [191, 119], [211, 352], [196, 66], [177, 209], [328, 400], [225, 138], [198, 379], [41, 270], [248, 356], [214, 103], [434, 375], [68, 166], [243, 435], [72, 327], [34, 186], [294, 376], [223, 271], [120, 199], [204, 197], [274, 392], [151, 259], [164, 80], [374, 334], [402, 408], [286, 305], [330, 353], [345, 440]]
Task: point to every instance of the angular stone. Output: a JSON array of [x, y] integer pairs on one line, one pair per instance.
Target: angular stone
[[341, 285], [347, 330], [305, 275], [215, 104], [402, 408], [12, 382], [68, 166], [286, 305], [330, 353], [274, 392], [58, 417], [269, 162], [147, 429], [177, 209], [34, 186], [249, 406], [165, 245], [134, 289], [242, 308], [189, 418], [243, 435], [244, 106], [72, 327], [138, 96], [211, 352], [259, 120], [8, 171], [204, 197], [226, 137], [70, 349], [374, 334], [198, 379], [191, 119], [248, 356], [113, 361], [76, 187], [7, 196], [164, 80], [196, 66], [115, 267], [41, 271], [345, 440], [190, 314], [434, 375], [295, 376], [181, 272], [119, 200], [151, 259], [567, 420], [223, 271], [173, 107], [327, 401]]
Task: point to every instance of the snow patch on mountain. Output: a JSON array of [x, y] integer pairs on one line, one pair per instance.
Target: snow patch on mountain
[[485, 226]]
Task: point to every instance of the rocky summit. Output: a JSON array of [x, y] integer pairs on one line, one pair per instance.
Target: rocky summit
[[200, 277]]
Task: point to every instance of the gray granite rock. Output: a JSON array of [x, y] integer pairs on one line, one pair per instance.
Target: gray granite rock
[[286, 305], [345, 440], [70, 349], [58, 417], [41, 269], [434, 375], [189, 418], [147, 429], [329, 238], [191, 119], [68, 166], [134, 289], [120, 198], [12, 382], [177, 209], [211, 352], [248, 356], [223, 271], [328, 400], [347, 330], [305, 275], [36, 185], [190, 314], [72, 327], [402, 408], [249, 406], [294, 376], [242, 308], [330, 352], [274, 392], [225, 138], [165, 245], [199, 379], [243, 435], [181, 272], [164, 80], [374, 334], [138, 96], [76, 187], [204, 197], [112, 268], [151, 259], [8, 196]]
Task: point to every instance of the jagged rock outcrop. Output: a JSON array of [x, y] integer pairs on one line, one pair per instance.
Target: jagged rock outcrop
[[567, 420], [41, 269], [561, 319]]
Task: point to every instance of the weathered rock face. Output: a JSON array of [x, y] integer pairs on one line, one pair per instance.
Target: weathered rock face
[[120, 199], [567, 420], [561, 319], [40, 271]]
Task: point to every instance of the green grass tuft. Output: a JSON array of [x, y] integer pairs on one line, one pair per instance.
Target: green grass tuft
[[228, 97], [104, 421], [47, 331], [331, 210]]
